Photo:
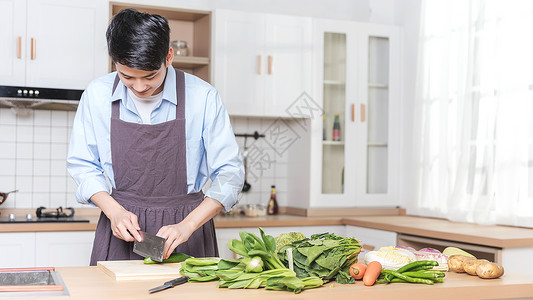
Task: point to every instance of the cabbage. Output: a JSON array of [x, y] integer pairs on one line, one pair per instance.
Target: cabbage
[[391, 258]]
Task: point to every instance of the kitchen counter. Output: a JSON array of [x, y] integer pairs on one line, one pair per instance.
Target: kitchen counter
[[486, 235], [92, 283]]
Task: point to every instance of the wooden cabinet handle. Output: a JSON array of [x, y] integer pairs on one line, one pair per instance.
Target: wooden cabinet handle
[[19, 47], [363, 113], [33, 48], [353, 112], [270, 59], [259, 64]]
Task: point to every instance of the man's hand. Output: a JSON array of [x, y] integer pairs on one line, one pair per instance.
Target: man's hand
[[124, 224], [179, 233], [175, 235]]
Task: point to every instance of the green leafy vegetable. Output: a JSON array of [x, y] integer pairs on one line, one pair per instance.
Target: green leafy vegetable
[[326, 256]]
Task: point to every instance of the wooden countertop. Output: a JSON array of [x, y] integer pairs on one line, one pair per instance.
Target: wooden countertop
[[92, 283], [486, 235]]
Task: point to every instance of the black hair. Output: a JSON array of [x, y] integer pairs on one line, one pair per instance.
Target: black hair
[[138, 40]]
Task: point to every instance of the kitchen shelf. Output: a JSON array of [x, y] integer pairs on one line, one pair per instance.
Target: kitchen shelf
[[378, 85], [190, 62], [375, 144], [333, 143], [334, 82]]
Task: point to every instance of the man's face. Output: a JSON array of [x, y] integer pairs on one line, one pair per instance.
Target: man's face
[[144, 83]]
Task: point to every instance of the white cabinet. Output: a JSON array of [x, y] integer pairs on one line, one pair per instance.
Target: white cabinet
[[356, 71], [262, 62], [52, 43], [63, 249], [46, 249], [17, 249]]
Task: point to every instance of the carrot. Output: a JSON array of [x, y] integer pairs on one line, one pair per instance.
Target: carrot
[[357, 270], [372, 273]]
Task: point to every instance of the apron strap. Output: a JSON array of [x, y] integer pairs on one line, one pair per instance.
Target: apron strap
[[115, 106], [180, 94]]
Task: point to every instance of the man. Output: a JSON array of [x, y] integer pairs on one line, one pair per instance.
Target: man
[[157, 134]]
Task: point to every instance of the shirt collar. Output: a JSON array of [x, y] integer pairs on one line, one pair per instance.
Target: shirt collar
[[169, 88]]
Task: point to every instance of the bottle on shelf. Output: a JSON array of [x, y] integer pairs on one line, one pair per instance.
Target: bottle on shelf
[[336, 129], [272, 207]]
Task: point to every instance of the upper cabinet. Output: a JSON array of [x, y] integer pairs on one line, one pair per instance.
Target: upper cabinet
[[52, 43], [191, 29], [354, 147], [262, 62]]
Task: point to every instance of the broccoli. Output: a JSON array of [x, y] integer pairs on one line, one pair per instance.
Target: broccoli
[[287, 238]]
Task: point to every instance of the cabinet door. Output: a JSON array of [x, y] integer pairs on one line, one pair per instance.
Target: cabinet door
[[336, 78], [13, 45], [64, 249], [378, 122], [288, 62], [239, 61], [17, 250], [66, 42]]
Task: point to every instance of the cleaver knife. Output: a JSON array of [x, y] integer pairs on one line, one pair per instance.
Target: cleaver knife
[[150, 245]]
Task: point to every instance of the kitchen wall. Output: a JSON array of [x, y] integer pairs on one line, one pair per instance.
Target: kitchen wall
[[33, 148], [33, 151]]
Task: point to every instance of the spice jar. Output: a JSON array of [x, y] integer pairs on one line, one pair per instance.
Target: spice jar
[[180, 48]]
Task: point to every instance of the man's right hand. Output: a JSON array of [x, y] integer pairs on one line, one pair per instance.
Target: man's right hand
[[124, 224]]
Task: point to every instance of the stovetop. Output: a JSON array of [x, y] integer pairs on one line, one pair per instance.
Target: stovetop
[[20, 219], [44, 215]]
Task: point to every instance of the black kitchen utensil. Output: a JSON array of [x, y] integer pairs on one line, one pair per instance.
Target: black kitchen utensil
[[246, 186], [169, 284], [3, 196], [41, 212]]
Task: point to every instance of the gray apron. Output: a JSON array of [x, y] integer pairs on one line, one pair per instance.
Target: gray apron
[[150, 169]]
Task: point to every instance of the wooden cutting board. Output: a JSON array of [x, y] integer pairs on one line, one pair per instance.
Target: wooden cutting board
[[137, 270]]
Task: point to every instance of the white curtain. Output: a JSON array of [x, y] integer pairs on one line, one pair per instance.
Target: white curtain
[[474, 112]]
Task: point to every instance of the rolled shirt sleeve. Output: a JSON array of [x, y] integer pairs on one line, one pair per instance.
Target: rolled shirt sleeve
[[222, 152], [83, 161]]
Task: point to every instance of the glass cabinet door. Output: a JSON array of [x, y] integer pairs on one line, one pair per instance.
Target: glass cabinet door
[[334, 97], [377, 114]]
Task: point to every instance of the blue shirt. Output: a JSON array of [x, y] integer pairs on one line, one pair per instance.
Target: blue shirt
[[212, 151]]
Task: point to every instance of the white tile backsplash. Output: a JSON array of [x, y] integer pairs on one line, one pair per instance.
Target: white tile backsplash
[[24, 150], [8, 150], [25, 134], [7, 183], [42, 118], [8, 167], [41, 134], [8, 132], [22, 200], [24, 167], [41, 167], [7, 117], [41, 184], [58, 184], [59, 135], [35, 150], [59, 118]]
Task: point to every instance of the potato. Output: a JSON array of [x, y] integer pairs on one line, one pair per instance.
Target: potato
[[471, 265], [456, 262], [489, 270]]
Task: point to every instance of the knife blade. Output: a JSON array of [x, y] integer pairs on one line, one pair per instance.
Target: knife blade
[[150, 245], [169, 284]]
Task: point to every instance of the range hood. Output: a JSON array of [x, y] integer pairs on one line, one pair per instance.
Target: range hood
[[39, 98]]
